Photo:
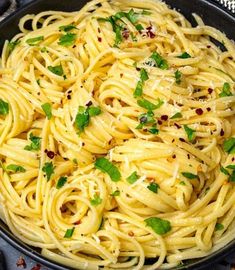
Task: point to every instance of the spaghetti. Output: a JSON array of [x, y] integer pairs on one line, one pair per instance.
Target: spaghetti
[[117, 136]]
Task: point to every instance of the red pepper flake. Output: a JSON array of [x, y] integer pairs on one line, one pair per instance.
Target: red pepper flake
[[89, 103], [99, 39], [131, 234], [221, 132], [68, 96], [173, 140], [45, 150], [138, 69], [174, 156], [63, 208], [149, 31], [208, 46], [83, 143], [199, 111], [208, 109], [188, 156], [78, 222], [182, 139], [98, 30], [164, 117], [21, 262], [36, 267], [159, 122], [121, 75], [50, 154], [178, 126], [210, 90], [233, 158], [125, 33], [70, 91]]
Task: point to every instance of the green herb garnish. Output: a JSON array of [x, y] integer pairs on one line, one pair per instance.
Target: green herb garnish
[[69, 233], [229, 145], [47, 110], [61, 182], [12, 45], [132, 178], [190, 133], [96, 200], [144, 103], [226, 90], [184, 55], [159, 61], [4, 107], [67, 39], [189, 175], [67, 28], [106, 166], [178, 76], [57, 70], [15, 168], [115, 193], [48, 168], [177, 115], [34, 41], [159, 226], [219, 227], [153, 187], [35, 143]]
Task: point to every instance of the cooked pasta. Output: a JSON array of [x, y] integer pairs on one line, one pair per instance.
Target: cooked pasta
[[117, 136]]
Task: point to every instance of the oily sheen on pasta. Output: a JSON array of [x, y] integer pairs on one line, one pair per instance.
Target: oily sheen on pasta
[[117, 136]]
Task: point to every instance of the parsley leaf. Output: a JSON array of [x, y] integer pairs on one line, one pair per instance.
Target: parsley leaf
[[224, 171], [139, 27], [146, 12], [83, 116], [229, 145], [61, 182], [96, 200], [48, 168], [67, 39], [139, 89], [153, 187], [160, 62], [47, 110], [146, 118], [143, 75], [12, 45], [69, 233], [189, 175], [15, 168], [190, 133], [67, 28], [177, 115], [184, 55], [226, 90], [34, 41], [178, 76], [35, 143], [4, 107], [57, 70], [106, 166], [132, 178], [219, 226], [182, 183], [115, 193], [159, 226], [144, 103], [153, 130]]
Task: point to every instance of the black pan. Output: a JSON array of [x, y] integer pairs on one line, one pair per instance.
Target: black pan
[[212, 15]]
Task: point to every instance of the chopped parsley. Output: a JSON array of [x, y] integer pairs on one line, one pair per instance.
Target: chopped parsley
[[219, 227], [229, 145], [146, 119], [189, 175], [4, 107], [61, 182], [115, 193], [182, 183], [67, 40], [153, 187], [106, 166], [177, 115], [57, 70], [139, 87], [96, 200], [159, 226], [184, 55], [34, 41], [178, 77], [47, 110], [227, 172], [35, 143], [48, 168], [133, 178], [12, 45], [15, 168], [69, 233], [190, 133], [153, 130], [144, 103], [226, 90], [83, 116], [67, 28], [159, 61]]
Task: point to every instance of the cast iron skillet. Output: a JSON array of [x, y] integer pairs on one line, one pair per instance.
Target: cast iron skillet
[[212, 15]]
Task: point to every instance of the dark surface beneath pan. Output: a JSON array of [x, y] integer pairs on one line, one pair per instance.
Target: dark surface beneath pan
[[212, 15]]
